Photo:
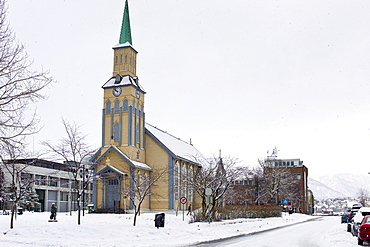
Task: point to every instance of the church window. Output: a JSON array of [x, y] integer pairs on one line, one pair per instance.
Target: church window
[[116, 132], [116, 59], [138, 155], [137, 134], [107, 107], [125, 105], [138, 178], [125, 58], [176, 178], [116, 106], [120, 59]]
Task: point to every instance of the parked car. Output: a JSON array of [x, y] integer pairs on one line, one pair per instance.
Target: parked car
[[364, 230], [362, 212], [350, 219], [344, 217]]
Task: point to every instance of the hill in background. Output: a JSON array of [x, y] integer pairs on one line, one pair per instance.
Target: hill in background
[[341, 185]]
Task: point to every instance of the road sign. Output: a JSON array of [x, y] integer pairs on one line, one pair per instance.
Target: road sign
[[183, 200], [285, 201], [208, 191]]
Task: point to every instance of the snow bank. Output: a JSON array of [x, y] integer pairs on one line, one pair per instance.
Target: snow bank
[[33, 229]]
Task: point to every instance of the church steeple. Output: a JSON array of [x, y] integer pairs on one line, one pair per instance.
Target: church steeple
[[124, 54], [125, 35]]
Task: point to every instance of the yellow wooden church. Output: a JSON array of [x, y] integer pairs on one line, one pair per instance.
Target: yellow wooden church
[[133, 149]]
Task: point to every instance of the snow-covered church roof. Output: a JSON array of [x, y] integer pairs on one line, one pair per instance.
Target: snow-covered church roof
[[122, 81], [175, 146]]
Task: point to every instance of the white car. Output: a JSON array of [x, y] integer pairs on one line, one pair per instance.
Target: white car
[[358, 218]]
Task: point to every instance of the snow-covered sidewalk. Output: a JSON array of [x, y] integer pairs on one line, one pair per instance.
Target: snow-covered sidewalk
[[33, 229]]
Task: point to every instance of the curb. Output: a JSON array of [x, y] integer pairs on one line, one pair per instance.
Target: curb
[[210, 242]]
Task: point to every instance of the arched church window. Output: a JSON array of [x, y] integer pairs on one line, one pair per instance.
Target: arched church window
[[116, 132], [120, 58], [116, 59], [125, 105], [107, 107], [137, 130], [125, 58], [138, 178], [116, 106]]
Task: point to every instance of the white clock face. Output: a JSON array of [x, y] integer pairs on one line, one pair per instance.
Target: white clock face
[[117, 91]]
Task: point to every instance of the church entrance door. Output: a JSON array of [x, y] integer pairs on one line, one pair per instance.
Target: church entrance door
[[112, 192]]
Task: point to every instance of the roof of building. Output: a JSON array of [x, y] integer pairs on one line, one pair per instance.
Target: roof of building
[[122, 81], [40, 163], [133, 163], [110, 169], [125, 35], [175, 146]]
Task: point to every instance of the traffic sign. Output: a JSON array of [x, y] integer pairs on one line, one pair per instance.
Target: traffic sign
[[208, 191], [285, 201], [183, 200]]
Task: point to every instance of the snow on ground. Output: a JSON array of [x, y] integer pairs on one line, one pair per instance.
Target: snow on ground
[[33, 229]]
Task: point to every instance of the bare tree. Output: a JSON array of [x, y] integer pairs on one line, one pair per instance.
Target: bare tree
[[20, 87], [76, 154], [20, 183], [363, 196], [275, 183], [244, 187], [142, 185], [216, 175]]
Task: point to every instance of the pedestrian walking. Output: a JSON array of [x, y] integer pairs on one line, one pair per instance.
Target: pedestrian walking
[[53, 212], [189, 210]]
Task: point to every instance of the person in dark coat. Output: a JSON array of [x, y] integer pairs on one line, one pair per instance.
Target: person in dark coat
[[189, 210], [53, 212]]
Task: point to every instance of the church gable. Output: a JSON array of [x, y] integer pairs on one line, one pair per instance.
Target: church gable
[[109, 170], [118, 153]]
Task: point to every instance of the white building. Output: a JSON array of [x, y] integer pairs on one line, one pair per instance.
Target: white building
[[51, 181]]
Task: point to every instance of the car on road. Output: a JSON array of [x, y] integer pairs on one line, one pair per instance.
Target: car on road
[[350, 219], [356, 221], [344, 217], [364, 230]]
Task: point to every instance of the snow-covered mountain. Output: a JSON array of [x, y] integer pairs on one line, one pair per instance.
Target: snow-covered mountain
[[339, 185]]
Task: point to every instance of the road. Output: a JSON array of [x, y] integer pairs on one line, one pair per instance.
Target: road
[[326, 231]]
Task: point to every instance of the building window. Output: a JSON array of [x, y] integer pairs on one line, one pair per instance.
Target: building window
[[120, 59], [116, 106], [138, 155], [64, 196], [40, 180], [73, 184], [125, 105], [137, 134], [107, 107], [113, 182], [64, 183], [116, 59], [299, 176], [116, 132], [125, 58], [53, 181]]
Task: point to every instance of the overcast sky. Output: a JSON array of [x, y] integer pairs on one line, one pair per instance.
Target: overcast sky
[[241, 76]]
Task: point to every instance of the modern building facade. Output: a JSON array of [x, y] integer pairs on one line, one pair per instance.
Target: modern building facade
[[51, 181]]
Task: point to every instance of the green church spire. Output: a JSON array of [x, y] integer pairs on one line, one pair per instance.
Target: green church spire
[[125, 28]]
